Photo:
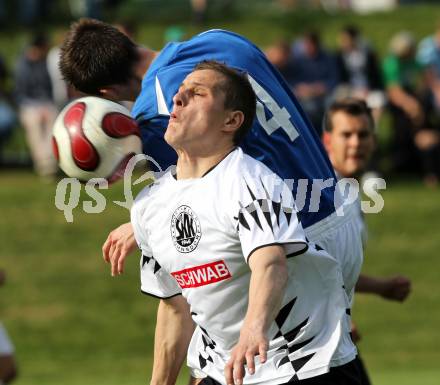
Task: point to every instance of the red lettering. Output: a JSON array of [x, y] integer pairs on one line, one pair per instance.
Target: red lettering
[[202, 275]]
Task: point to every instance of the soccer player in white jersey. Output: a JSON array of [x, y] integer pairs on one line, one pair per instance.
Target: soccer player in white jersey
[[97, 59], [349, 139], [221, 235]]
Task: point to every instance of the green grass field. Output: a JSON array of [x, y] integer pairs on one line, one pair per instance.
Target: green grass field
[[74, 324]]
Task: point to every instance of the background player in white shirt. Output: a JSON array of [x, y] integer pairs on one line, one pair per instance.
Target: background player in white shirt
[[217, 232], [349, 139]]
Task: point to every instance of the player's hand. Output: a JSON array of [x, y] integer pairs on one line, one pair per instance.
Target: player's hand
[[396, 288], [355, 335], [250, 344], [120, 243]]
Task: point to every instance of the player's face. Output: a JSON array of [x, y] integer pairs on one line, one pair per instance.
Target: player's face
[[350, 144], [198, 114]]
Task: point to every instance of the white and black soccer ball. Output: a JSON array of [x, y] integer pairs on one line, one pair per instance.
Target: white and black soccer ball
[[95, 138]]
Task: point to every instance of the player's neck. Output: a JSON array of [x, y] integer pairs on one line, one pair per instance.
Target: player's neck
[[191, 167]]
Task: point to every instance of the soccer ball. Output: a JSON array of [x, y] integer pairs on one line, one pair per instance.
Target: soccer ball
[[95, 138]]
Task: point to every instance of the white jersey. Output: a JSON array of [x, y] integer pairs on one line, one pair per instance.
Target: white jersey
[[196, 236]]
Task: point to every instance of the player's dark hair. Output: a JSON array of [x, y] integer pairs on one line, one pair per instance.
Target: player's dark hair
[[350, 106], [238, 92], [95, 54]]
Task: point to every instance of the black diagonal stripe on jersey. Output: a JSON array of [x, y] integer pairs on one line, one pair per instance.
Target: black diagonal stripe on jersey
[[288, 214], [252, 210], [242, 220], [145, 259], [284, 313], [204, 331], [284, 347], [284, 360], [277, 209], [265, 190], [291, 335], [299, 345], [300, 362], [210, 359], [250, 192], [193, 313], [157, 267], [265, 208], [319, 248], [205, 342], [294, 379], [202, 361], [208, 337], [299, 216]]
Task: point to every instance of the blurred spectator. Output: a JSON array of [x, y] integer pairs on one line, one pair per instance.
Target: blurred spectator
[[8, 366], [199, 8], [7, 114], [37, 111], [316, 76], [59, 86], [429, 56], [349, 140], [415, 141], [174, 33], [359, 69], [86, 8], [280, 56]]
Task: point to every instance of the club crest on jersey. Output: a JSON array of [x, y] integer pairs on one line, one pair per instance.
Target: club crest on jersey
[[185, 229]]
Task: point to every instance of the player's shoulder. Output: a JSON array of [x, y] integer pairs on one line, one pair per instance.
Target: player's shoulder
[[247, 172], [222, 41], [251, 166], [148, 194], [222, 33]]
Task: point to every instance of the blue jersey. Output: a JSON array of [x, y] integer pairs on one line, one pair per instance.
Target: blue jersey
[[281, 136]]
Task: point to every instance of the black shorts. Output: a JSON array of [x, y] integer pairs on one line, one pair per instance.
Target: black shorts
[[347, 374]]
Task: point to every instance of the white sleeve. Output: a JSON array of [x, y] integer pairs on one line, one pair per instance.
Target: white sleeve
[[267, 216], [155, 281]]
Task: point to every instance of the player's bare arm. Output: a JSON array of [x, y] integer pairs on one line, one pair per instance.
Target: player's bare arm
[[267, 285], [174, 329], [394, 288], [119, 243]]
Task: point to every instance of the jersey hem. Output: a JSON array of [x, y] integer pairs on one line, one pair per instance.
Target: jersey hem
[[156, 296], [335, 362]]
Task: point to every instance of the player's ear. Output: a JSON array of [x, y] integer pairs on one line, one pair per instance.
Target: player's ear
[[326, 140], [110, 92], [233, 121]]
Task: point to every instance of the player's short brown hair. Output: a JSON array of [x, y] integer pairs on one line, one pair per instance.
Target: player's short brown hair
[[350, 106], [95, 55], [238, 92]]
